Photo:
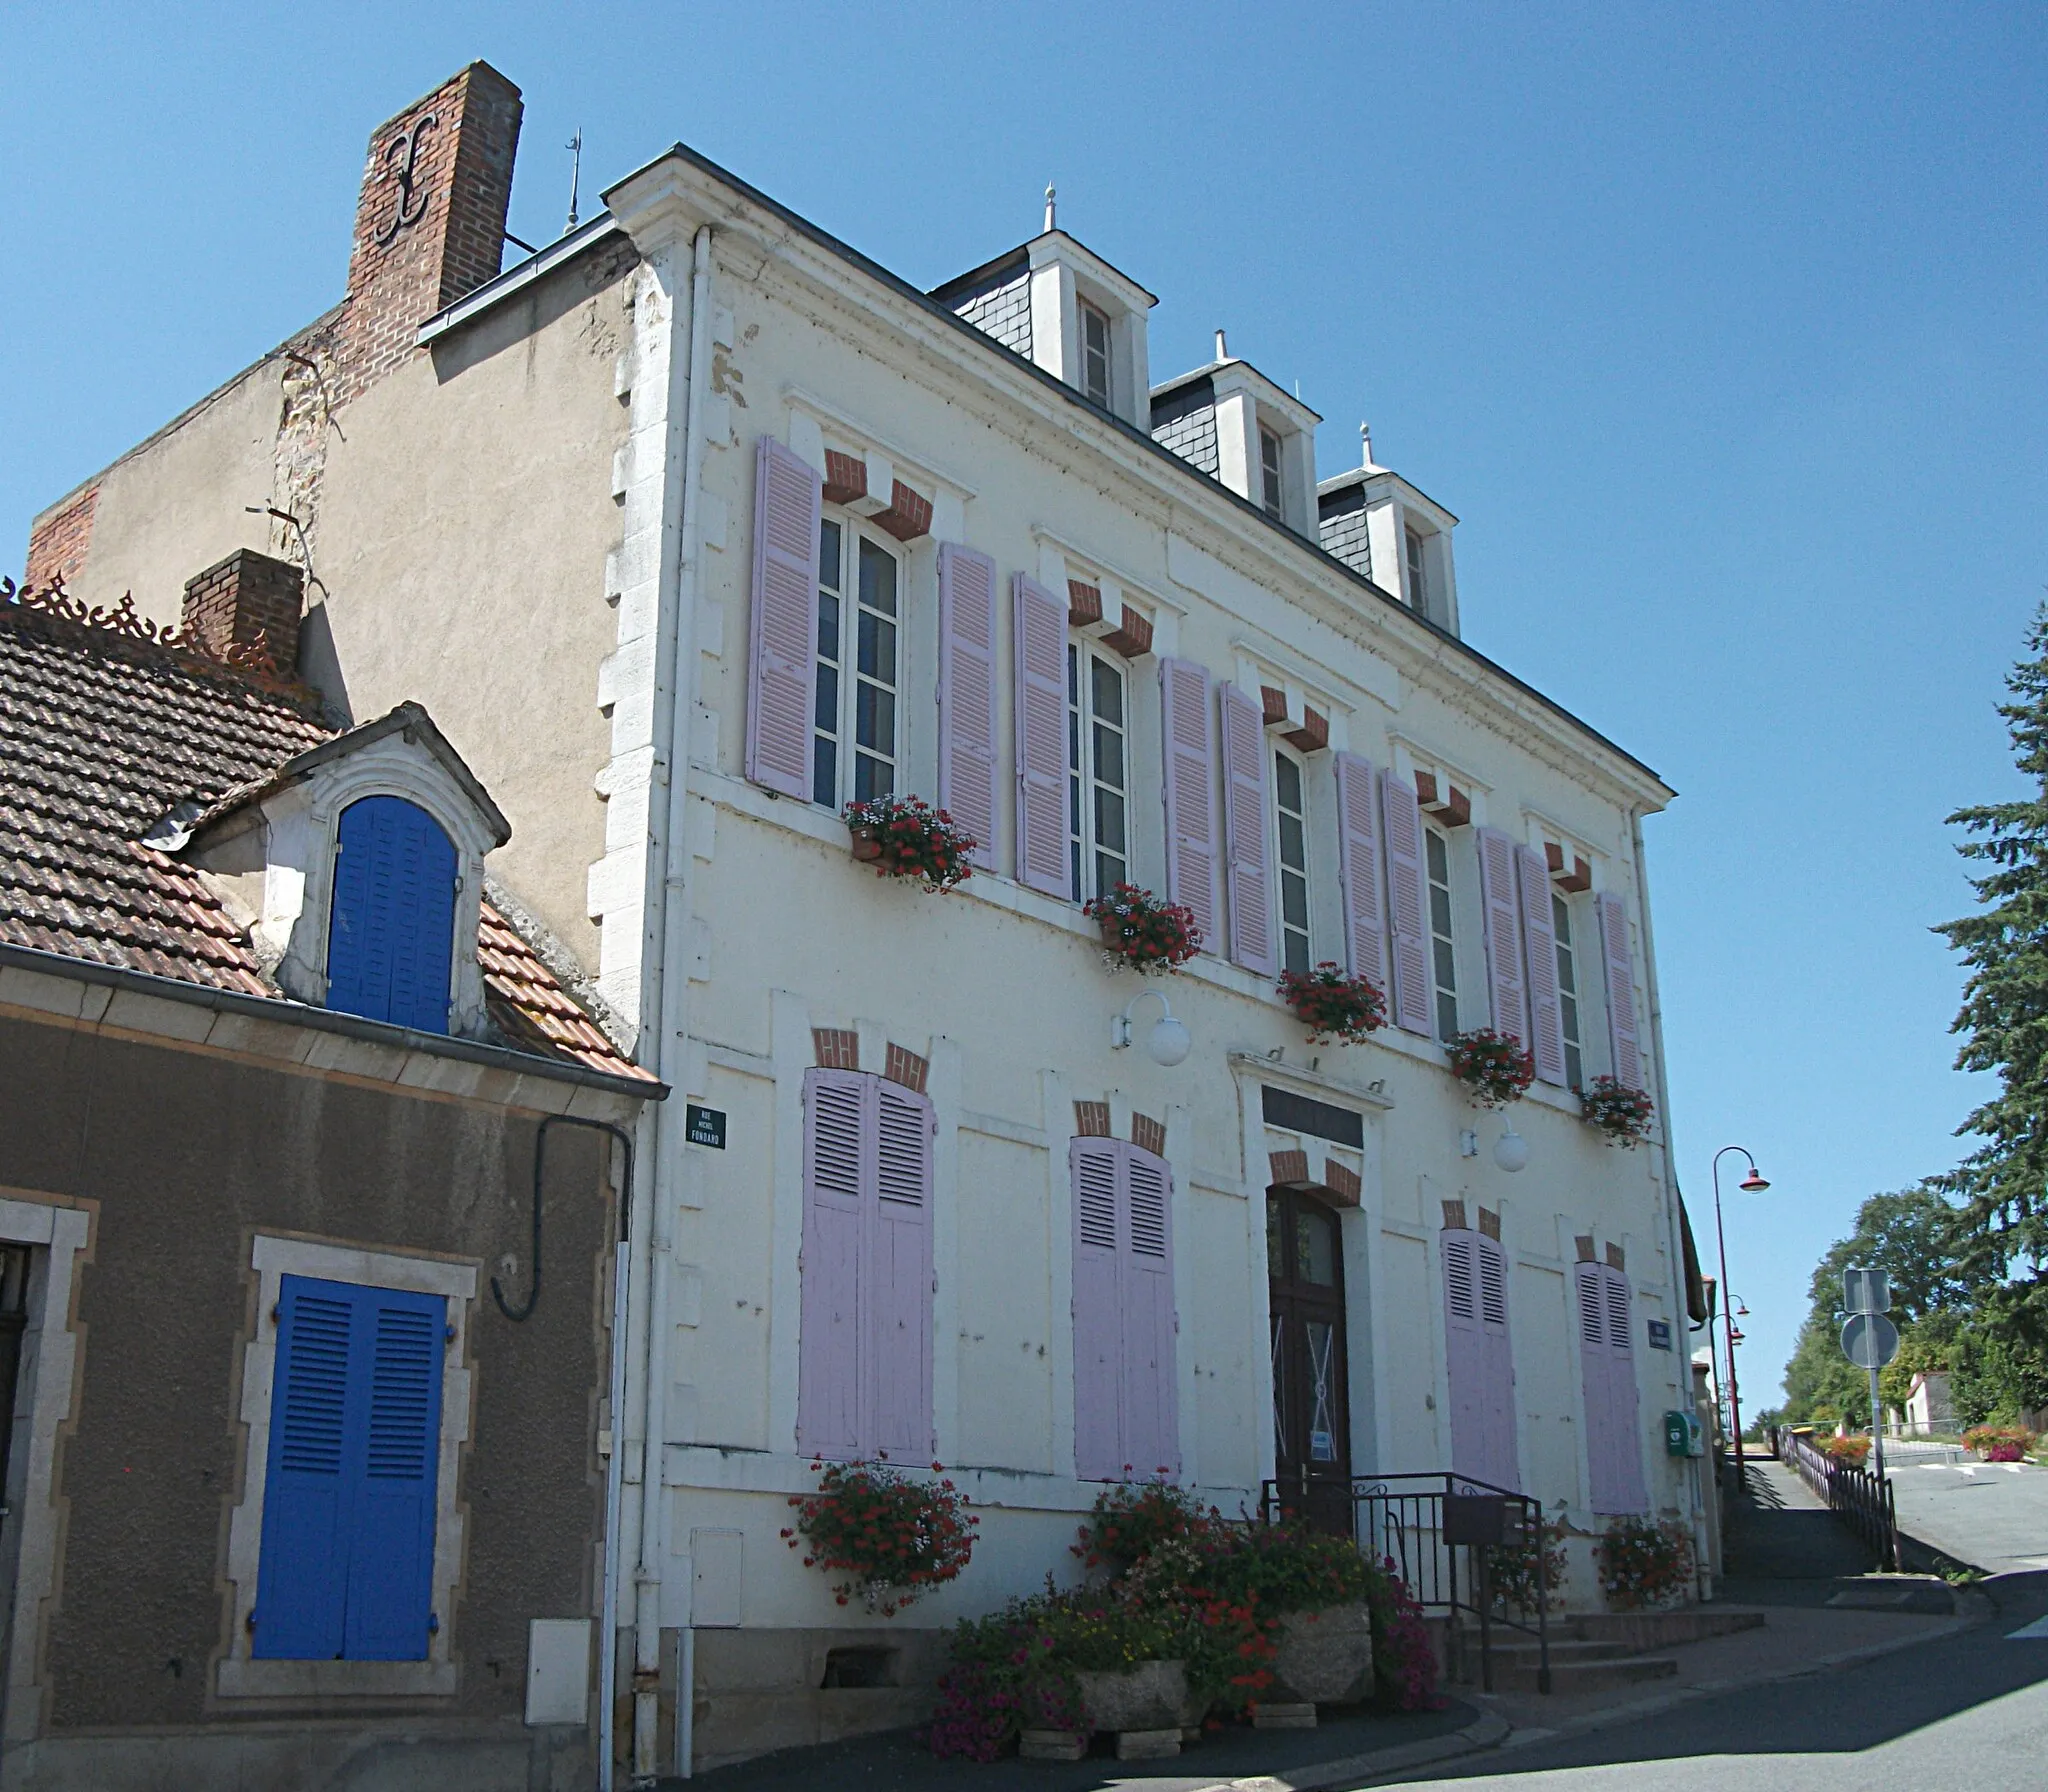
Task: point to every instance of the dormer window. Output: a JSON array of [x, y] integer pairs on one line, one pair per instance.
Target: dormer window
[[1241, 429], [1095, 353], [1272, 488], [391, 937]]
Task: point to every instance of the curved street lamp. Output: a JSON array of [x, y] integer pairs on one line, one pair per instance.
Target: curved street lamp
[[1752, 1184]]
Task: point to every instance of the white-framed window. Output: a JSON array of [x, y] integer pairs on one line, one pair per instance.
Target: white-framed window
[[1568, 990], [1417, 550], [1098, 771], [856, 745], [1272, 488], [1443, 956], [1095, 358], [1290, 814]]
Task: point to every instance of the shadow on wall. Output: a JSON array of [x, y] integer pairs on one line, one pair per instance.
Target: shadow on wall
[[320, 665]]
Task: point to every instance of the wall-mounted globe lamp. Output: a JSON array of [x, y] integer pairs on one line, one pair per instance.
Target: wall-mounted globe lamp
[[1168, 1043]]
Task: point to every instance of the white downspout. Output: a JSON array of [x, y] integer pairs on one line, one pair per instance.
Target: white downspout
[[614, 1500], [675, 655]]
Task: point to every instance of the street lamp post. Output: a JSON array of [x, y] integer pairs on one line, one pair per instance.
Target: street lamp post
[[1752, 1184]]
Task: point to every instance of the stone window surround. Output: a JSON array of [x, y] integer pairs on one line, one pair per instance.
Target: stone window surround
[[241, 1676]]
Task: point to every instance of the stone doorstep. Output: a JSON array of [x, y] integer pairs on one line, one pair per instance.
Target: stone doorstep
[[1284, 1717], [1147, 1745], [1570, 1677], [1052, 1745]]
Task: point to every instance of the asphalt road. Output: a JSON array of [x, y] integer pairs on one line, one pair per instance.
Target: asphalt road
[[1968, 1709], [1991, 1514]]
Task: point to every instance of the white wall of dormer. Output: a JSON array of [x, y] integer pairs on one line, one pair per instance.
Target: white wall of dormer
[[1062, 274], [1245, 400]]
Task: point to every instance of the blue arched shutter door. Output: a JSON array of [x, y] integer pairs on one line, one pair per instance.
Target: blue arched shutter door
[[391, 939]]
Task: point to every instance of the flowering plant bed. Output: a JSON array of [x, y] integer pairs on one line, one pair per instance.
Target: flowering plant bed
[[1512, 1568], [1620, 1112], [1999, 1443], [891, 1538], [1332, 1005], [904, 836], [1644, 1565], [1854, 1450], [1147, 933], [1131, 1520], [1493, 1066]]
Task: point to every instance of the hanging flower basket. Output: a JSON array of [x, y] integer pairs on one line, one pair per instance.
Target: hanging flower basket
[[1332, 1005], [891, 1539], [1493, 1066], [904, 836], [1144, 932], [1620, 1112]]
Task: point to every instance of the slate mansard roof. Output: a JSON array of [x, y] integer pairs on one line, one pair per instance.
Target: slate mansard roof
[[105, 726]]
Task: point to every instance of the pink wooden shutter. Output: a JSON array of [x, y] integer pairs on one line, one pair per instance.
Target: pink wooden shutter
[[967, 695], [784, 624], [1364, 883], [1503, 934], [1624, 1416], [1098, 1336], [1190, 807], [1503, 1458], [1621, 991], [1465, 1356], [1150, 1402], [1244, 829], [1042, 821], [828, 1418], [1595, 1366], [1539, 935], [899, 1314], [1407, 911]]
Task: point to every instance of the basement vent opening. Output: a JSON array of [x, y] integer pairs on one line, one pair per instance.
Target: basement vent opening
[[859, 1668]]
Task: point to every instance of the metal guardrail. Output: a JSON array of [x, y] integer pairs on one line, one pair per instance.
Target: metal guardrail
[[1860, 1499], [1423, 1524]]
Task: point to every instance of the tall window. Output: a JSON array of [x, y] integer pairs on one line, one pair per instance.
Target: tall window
[[1095, 354], [1567, 990], [1098, 845], [1418, 572], [1443, 957], [854, 748], [1290, 802], [1269, 471]]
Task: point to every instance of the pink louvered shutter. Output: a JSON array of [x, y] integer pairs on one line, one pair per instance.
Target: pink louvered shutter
[[899, 1313], [1539, 936], [1465, 1357], [967, 695], [1595, 1367], [1150, 1403], [784, 624], [1244, 830], [1098, 1336], [1407, 911], [1621, 991], [1503, 1458], [1190, 804], [1360, 870], [828, 1416], [1503, 934], [1625, 1444], [1042, 820]]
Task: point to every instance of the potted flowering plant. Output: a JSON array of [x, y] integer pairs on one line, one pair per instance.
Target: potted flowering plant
[[1332, 1005], [1644, 1565], [1998, 1443], [1620, 1112], [1146, 933], [891, 1538], [904, 836], [1492, 1066]]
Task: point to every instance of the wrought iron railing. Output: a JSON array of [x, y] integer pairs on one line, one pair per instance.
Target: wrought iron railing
[[1860, 1499], [1439, 1533]]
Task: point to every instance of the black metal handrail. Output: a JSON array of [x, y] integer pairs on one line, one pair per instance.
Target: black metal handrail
[[1861, 1500], [1420, 1524]]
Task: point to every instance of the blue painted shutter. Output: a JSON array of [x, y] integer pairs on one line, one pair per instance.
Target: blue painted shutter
[[346, 1568], [390, 945]]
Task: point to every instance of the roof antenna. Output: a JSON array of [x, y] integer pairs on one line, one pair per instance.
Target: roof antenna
[[1051, 194], [1365, 438], [575, 148], [1222, 351]]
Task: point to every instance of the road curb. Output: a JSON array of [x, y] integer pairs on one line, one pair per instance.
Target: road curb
[[1488, 1730]]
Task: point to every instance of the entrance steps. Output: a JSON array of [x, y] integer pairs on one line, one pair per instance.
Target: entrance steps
[[1601, 1651]]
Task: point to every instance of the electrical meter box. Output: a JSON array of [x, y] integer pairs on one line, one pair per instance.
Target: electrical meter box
[[1682, 1435]]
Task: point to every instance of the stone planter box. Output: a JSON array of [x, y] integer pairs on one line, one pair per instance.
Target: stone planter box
[[1324, 1657], [1146, 1697]]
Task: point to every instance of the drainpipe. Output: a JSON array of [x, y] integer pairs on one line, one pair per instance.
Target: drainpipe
[[675, 668], [1674, 1244]]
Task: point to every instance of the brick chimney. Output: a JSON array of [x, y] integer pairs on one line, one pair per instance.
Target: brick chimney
[[244, 599], [430, 219]]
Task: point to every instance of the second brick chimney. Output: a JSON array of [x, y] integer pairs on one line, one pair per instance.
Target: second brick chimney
[[243, 600]]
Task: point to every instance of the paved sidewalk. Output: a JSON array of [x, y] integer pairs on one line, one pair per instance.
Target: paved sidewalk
[[1778, 1529]]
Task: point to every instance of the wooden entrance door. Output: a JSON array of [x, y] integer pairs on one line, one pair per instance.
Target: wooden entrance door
[[1311, 1401]]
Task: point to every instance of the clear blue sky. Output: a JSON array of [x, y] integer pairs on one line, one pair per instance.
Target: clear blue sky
[[1721, 330]]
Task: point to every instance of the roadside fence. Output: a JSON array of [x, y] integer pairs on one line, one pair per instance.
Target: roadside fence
[[1860, 1499]]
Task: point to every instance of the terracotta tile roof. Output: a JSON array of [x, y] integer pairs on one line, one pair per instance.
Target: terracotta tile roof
[[104, 726]]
